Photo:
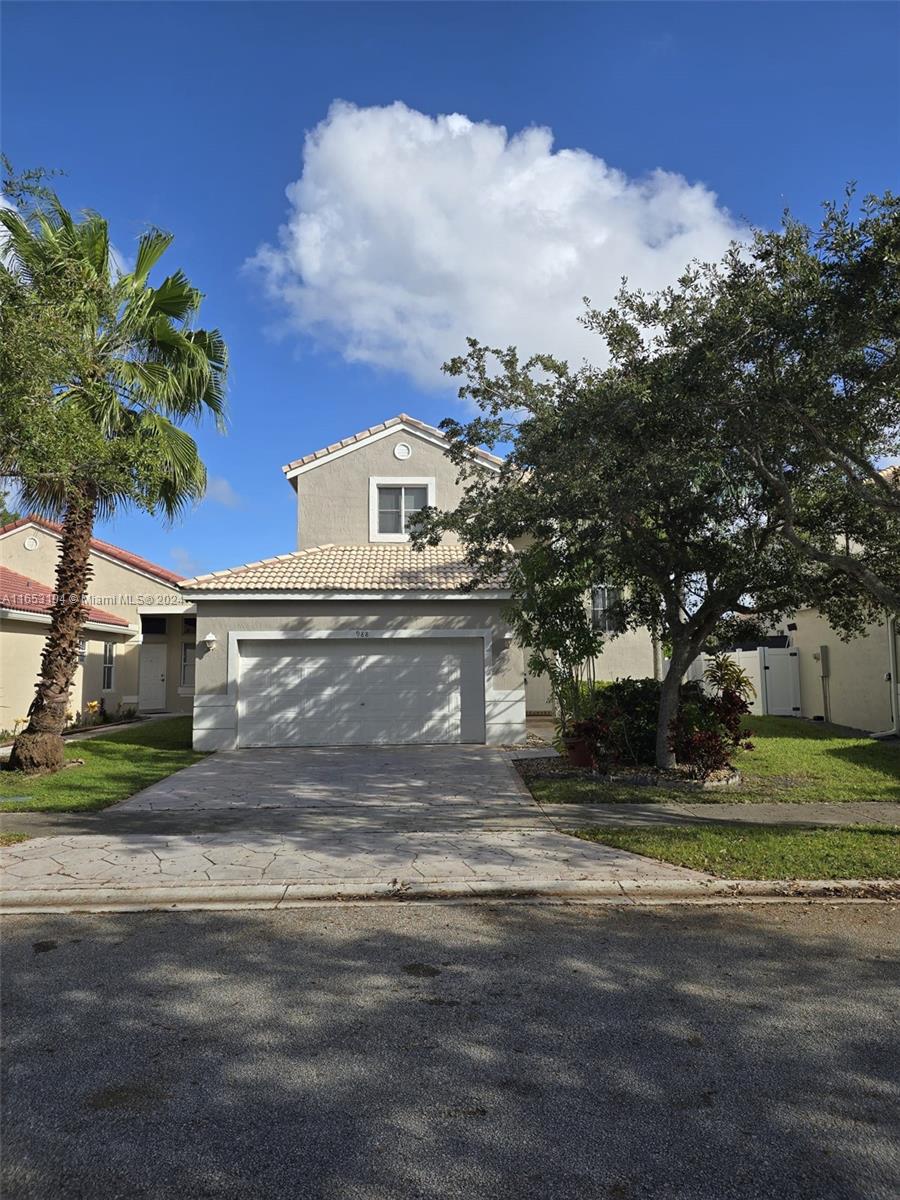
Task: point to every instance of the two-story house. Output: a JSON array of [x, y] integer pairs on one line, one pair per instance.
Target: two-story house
[[137, 644], [355, 638]]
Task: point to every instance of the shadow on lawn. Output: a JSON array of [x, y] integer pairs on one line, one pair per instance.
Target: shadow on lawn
[[880, 757], [440, 1052]]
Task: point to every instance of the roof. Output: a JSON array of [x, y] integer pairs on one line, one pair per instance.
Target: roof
[[21, 594], [123, 556], [373, 568], [402, 420]]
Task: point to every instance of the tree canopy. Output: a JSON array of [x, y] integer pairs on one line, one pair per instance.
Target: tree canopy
[[713, 466]]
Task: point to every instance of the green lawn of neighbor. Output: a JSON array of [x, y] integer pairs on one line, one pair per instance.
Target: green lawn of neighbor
[[766, 851], [115, 767], [793, 761]]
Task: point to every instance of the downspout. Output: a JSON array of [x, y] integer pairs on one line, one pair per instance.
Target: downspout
[[894, 676]]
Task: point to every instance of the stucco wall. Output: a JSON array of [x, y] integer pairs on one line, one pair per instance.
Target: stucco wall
[[856, 691], [333, 498], [21, 646], [629, 656], [215, 714]]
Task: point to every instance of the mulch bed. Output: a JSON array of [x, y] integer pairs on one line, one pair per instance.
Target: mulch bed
[[679, 777]]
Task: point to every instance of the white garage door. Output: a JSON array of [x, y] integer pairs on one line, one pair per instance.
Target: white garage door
[[332, 692]]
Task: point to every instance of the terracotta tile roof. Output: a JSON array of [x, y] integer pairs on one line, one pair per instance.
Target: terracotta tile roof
[[107, 548], [400, 419], [375, 568], [22, 594]]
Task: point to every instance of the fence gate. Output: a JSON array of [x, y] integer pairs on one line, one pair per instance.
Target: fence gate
[[780, 671]]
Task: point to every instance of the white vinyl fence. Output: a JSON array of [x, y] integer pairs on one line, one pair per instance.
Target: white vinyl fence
[[775, 673]]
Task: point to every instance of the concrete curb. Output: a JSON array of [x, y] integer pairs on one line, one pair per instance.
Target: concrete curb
[[295, 895]]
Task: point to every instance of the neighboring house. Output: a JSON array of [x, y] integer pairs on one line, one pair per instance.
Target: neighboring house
[[137, 648], [851, 683], [355, 638]]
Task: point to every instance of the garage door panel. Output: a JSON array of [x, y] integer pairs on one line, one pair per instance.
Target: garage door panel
[[402, 691]]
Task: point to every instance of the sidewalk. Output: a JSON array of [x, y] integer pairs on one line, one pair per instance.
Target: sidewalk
[[580, 816], [82, 871]]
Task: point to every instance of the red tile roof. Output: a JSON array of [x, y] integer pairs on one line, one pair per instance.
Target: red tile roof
[[22, 594], [107, 548]]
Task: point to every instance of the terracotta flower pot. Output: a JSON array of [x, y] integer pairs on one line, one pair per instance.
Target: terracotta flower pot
[[579, 752]]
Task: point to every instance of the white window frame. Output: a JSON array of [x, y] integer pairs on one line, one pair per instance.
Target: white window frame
[[377, 481], [109, 665], [183, 687]]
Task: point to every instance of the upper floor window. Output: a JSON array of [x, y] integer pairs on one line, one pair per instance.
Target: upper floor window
[[394, 503], [606, 608], [109, 665], [397, 504]]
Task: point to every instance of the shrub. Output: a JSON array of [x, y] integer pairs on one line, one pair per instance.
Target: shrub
[[622, 725]]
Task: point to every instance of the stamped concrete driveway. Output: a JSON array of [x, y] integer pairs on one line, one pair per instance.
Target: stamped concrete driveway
[[392, 819], [388, 783]]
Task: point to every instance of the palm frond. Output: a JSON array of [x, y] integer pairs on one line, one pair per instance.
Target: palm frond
[[151, 247]]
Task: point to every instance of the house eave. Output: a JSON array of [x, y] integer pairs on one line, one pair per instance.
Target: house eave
[[227, 594]]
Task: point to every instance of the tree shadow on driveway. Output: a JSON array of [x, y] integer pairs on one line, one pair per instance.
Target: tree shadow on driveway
[[439, 1051]]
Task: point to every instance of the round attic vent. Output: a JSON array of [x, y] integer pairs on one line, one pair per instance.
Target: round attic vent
[[402, 450], [31, 542]]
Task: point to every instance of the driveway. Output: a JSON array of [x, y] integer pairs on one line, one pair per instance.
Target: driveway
[[413, 783], [387, 1052], [448, 819]]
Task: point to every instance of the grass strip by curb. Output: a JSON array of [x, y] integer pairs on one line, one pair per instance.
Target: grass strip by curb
[[765, 851], [12, 839]]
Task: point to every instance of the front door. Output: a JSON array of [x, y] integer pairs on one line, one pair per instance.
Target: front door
[[152, 689]]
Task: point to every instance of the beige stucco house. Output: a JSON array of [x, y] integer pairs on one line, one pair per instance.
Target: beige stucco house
[[852, 682], [356, 638], [137, 646]]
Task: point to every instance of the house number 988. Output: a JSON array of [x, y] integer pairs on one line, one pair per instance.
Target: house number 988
[[362, 633]]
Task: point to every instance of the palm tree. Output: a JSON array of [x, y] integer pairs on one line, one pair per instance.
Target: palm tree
[[140, 371]]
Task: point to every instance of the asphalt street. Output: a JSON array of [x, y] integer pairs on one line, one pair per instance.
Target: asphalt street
[[481, 1051]]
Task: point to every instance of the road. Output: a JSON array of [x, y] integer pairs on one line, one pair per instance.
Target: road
[[493, 1051]]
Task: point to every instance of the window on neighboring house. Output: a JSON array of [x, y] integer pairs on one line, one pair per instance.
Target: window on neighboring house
[[396, 505], [606, 608], [109, 665], [188, 654], [82, 650]]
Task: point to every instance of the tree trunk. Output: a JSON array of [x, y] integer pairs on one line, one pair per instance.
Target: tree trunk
[[669, 700], [39, 747]]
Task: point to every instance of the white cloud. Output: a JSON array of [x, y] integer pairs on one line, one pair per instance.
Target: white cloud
[[220, 490], [185, 562], [408, 233]]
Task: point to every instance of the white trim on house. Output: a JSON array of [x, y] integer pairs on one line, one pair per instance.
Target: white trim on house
[[15, 614], [377, 481], [216, 714], [498, 594], [399, 427]]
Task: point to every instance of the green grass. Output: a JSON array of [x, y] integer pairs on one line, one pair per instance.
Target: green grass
[[115, 767], [10, 839], [766, 851], [793, 761]]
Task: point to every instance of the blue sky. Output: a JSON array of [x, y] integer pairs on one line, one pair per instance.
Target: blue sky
[[407, 232]]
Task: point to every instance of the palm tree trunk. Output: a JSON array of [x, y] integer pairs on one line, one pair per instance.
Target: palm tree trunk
[[39, 747]]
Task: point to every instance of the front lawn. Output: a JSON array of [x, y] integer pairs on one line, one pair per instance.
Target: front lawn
[[766, 851], [115, 767], [793, 761]]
